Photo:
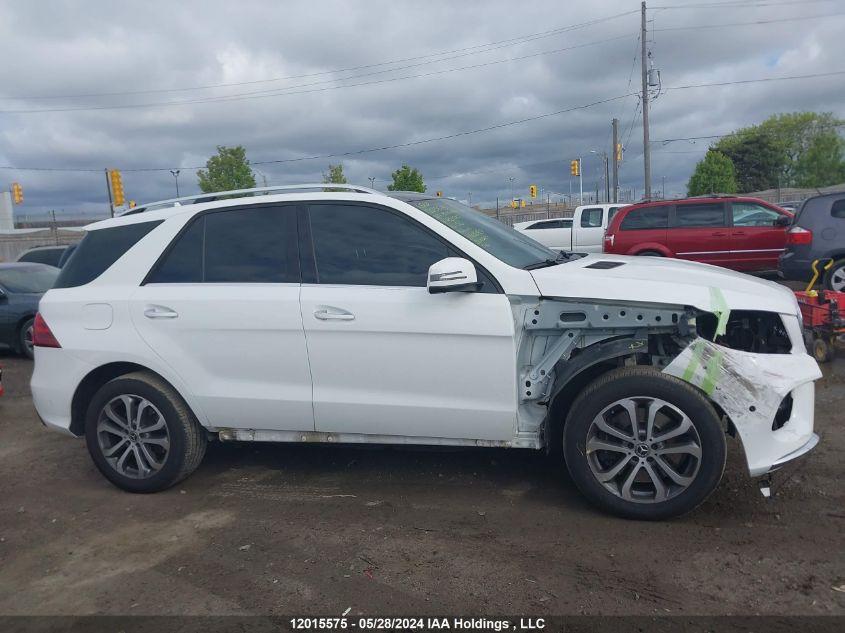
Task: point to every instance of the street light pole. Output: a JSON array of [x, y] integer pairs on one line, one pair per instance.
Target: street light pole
[[372, 182], [511, 179], [176, 173]]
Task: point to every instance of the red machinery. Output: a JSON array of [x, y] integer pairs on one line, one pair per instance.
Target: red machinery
[[823, 313]]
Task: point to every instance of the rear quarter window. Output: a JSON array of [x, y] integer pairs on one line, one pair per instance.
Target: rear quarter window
[[837, 209], [98, 250], [646, 218]]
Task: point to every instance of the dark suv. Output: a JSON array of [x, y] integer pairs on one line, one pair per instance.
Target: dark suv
[[818, 232]]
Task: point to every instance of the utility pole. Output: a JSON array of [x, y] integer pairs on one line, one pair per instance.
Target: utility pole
[[606, 178], [615, 160], [372, 182], [511, 179], [108, 188], [646, 148]]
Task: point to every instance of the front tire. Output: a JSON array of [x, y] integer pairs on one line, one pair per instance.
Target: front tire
[[663, 464], [141, 434]]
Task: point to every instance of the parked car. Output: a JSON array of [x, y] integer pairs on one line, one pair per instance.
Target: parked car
[[50, 255], [21, 286], [353, 316], [740, 233], [589, 222], [818, 232]]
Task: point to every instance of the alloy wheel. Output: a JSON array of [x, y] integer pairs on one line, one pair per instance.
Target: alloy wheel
[[643, 449], [29, 348], [837, 279], [133, 436]]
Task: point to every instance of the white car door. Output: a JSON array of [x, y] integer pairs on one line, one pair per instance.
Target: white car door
[[589, 230], [221, 308], [388, 358]]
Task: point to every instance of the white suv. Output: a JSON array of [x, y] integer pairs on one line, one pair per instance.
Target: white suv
[[345, 315]]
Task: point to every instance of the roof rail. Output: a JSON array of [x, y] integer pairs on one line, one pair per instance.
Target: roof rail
[[244, 193]]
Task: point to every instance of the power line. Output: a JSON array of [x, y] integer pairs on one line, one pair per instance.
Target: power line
[[278, 92], [752, 23], [458, 134], [738, 5], [470, 50]]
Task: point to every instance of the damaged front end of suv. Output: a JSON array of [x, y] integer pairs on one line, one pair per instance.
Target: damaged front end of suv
[[749, 364]]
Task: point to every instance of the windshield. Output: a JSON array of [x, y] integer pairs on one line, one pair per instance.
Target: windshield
[[28, 279], [498, 239]]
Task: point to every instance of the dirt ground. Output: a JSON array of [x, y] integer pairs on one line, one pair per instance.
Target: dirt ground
[[281, 529]]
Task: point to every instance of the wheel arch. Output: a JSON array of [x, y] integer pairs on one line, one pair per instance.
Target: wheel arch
[[650, 246], [98, 377]]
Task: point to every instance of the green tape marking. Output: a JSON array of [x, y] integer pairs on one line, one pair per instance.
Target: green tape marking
[[720, 308]]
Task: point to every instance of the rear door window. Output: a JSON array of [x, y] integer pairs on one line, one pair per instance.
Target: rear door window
[[253, 245], [98, 250], [551, 224], [591, 218], [705, 214], [646, 218]]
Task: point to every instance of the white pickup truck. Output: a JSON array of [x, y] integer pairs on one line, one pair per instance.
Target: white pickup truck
[[583, 232]]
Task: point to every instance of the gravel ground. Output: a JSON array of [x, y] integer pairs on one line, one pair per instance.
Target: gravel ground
[[282, 529]]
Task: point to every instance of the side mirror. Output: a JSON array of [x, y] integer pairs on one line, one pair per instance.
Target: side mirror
[[783, 220], [453, 274]]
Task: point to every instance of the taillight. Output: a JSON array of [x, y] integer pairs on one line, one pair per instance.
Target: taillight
[[608, 240], [799, 235], [41, 334]]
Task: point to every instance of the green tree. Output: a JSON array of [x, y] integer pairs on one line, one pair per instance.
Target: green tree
[[228, 170], [757, 158], [796, 149], [335, 175], [407, 179], [713, 174]]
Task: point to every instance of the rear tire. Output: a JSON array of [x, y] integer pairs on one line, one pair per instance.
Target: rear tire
[[822, 350], [650, 254], [141, 434], [673, 464], [834, 279], [25, 339]]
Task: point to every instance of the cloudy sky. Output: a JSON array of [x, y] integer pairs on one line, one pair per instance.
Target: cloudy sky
[[157, 85]]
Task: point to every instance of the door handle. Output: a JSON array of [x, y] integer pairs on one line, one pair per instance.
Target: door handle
[[718, 234], [333, 314], [160, 312]]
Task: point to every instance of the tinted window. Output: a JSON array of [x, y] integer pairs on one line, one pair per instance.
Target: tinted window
[[498, 239], [28, 278], [838, 209], [239, 246], [751, 214], [591, 218], [98, 250], [551, 224], [49, 256], [359, 245], [646, 218], [611, 212], [700, 215]]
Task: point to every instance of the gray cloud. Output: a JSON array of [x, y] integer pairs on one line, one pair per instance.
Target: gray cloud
[[64, 48]]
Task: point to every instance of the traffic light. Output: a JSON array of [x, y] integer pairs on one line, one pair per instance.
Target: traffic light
[[575, 167], [532, 189], [17, 192], [619, 152], [439, 194], [117, 196]]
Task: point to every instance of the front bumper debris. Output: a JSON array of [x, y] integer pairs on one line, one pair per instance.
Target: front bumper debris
[[749, 388]]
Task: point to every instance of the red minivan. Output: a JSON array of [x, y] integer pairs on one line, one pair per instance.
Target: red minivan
[[744, 234]]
